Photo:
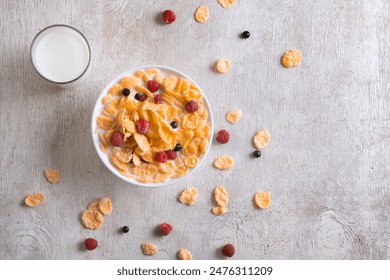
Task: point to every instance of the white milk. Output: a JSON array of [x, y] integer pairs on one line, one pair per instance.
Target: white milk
[[60, 54]]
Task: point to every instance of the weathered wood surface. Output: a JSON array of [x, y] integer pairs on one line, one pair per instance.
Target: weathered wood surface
[[327, 164]]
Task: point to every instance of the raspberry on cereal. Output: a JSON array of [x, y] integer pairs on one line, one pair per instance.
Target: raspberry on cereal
[[117, 139], [191, 106], [171, 154], [169, 16], [161, 157], [142, 126], [228, 250], [158, 99], [165, 229], [91, 244], [143, 97], [153, 86], [223, 136]]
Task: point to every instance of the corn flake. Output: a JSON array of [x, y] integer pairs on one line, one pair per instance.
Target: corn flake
[[52, 175], [262, 199], [184, 254], [34, 199], [219, 210], [189, 196], [105, 206], [226, 3], [223, 66], [202, 14], [261, 139], [149, 249], [92, 219], [224, 162], [234, 116], [221, 196]]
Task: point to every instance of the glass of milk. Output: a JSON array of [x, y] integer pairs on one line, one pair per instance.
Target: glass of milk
[[60, 54]]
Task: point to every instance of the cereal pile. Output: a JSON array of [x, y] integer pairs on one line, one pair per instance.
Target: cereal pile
[[154, 127]]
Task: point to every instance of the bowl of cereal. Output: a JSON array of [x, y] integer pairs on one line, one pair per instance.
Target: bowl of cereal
[[152, 126]]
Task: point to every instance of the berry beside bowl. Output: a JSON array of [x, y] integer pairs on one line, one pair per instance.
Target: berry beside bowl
[[152, 126]]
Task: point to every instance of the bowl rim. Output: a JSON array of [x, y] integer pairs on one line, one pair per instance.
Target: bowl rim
[[97, 110]]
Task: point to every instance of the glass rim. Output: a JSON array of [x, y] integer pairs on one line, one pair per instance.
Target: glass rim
[[67, 26]]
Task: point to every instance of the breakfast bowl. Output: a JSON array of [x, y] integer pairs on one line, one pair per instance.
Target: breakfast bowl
[[152, 126]]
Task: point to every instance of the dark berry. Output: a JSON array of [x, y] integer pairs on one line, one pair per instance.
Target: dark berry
[[153, 86], [165, 229], [143, 97], [169, 16], [158, 99], [91, 244], [142, 126], [223, 136], [228, 250], [117, 139], [174, 124], [161, 157], [125, 229], [125, 92], [257, 153], [171, 154], [177, 148], [191, 106], [137, 96], [245, 34]]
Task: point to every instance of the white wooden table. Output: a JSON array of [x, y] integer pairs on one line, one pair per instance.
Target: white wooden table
[[327, 164]]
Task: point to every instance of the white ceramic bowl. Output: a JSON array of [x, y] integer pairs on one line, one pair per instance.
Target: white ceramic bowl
[[99, 107]]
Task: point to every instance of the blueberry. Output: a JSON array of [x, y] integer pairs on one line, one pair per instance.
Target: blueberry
[[257, 153], [174, 124], [126, 92], [137, 96], [245, 34], [125, 229], [177, 148]]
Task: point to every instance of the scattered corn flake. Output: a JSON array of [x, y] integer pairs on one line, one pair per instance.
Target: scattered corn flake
[[221, 196], [219, 210], [262, 199], [226, 3], [202, 14], [34, 199], [224, 162], [149, 249], [184, 254], [92, 219], [261, 139], [223, 66], [52, 175], [105, 206], [234, 116], [189, 196], [291, 58]]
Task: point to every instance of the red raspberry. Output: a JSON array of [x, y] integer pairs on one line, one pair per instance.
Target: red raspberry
[[153, 86], [171, 154], [223, 136], [117, 139], [228, 250], [165, 229], [191, 106], [142, 98], [91, 244], [158, 99], [169, 16], [161, 157], [142, 126]]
